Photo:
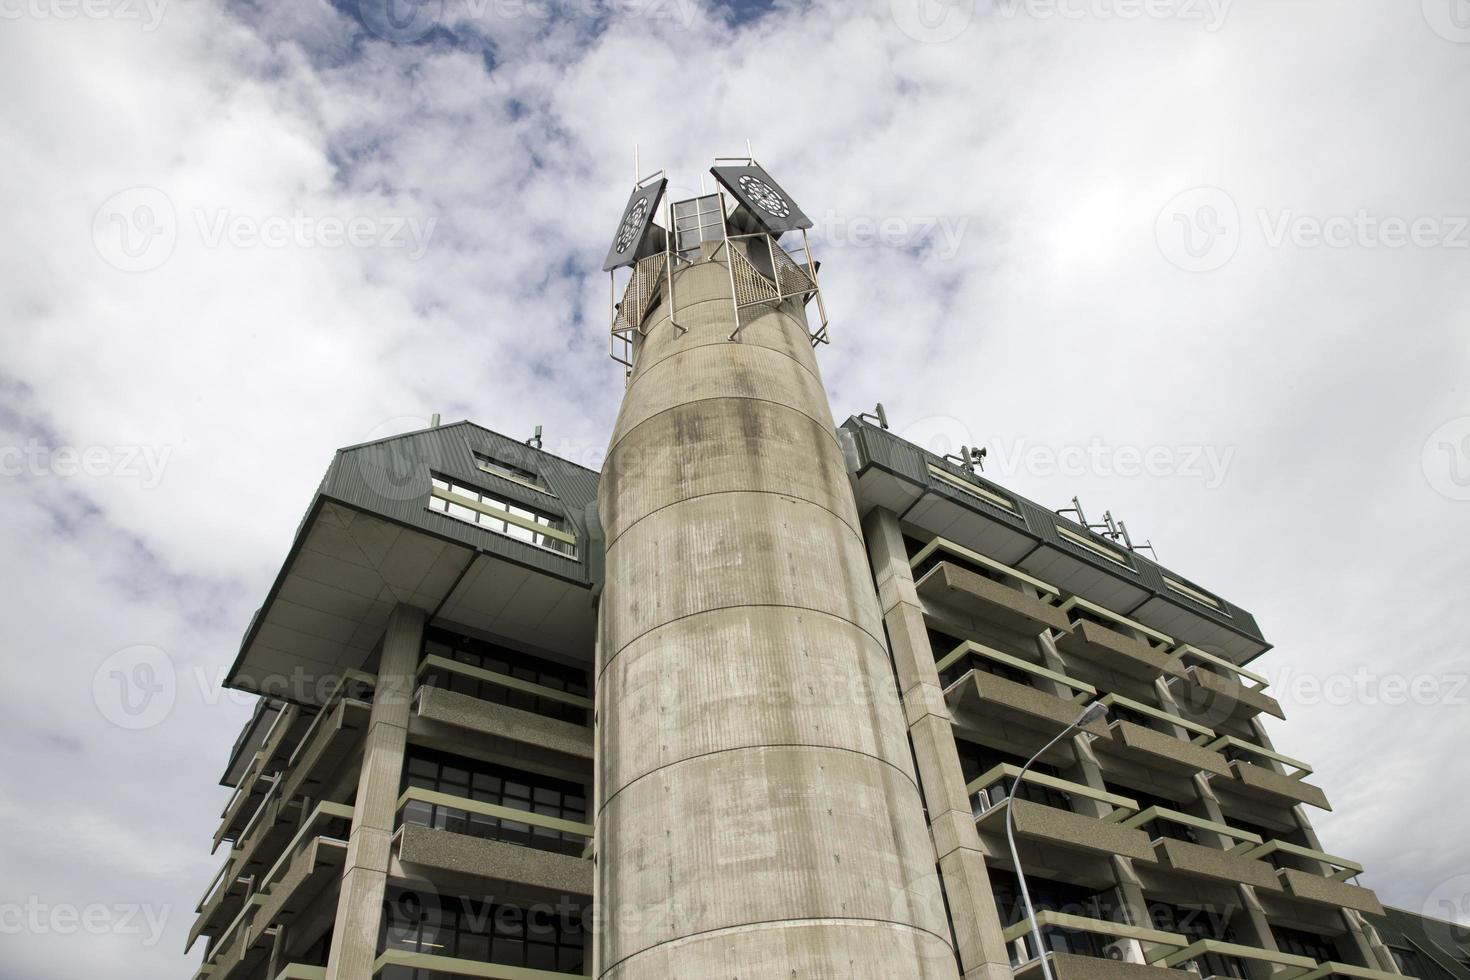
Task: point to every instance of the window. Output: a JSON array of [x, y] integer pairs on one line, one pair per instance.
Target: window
[[1407, 960], [506, 471], [699, 219], [1300, 943], [976, 760], [1195, 924], [1198, 595], [972, 489], [1056, 896], [1096, 547], [485, 782], [475, 506], [535, 938], [512, 663]]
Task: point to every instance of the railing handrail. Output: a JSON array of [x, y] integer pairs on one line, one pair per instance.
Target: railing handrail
[[1026, 666], [1270, 847], [435, 661], [1006, 770], [960, 551], [330, 705], [499, 514], [455, 966], [1077, 602], [1189, 820], [436, 798], [1162, 715], [1102, 927], [1185, 649], [1201, 947], [1303, 770]]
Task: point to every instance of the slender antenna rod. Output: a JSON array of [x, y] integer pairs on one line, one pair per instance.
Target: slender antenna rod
[[636, 168], [750, 153]]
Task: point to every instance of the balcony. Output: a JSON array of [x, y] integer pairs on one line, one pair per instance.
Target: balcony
[[1235, 747], [327, 744], [1283, 966], [1136, 745], [993, 598], [1334, 969], [1256, 783], [493, 860], [1009, 711], [491, 821], [437, 703], [395, 963], [1219, 689], [1109, 649], [1148, 943], [1056, 832], [1332, 889]]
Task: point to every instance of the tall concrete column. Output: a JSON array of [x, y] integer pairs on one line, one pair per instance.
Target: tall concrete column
[[758, 814], [365, 875]]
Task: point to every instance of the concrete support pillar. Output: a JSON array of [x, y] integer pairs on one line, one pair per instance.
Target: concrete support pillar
[[365, 875], [1252, 928], [961, 857]]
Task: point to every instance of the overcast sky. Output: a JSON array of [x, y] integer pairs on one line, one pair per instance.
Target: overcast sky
[[1202, 263]]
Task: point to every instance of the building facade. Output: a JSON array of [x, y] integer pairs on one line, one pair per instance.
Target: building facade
[[749, 703]]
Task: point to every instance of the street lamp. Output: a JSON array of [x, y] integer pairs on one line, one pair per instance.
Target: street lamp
[[1089, 714]]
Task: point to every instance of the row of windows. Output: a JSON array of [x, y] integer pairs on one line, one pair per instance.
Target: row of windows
[[447, 506], [512, 663], [508, 935], [495, 467], [503, 786]]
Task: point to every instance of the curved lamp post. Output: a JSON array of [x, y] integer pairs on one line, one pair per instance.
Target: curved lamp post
[[1089, 714]]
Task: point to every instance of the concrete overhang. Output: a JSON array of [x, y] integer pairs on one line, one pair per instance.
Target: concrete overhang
[[1020, 718], [1154, 752], [933, 497]]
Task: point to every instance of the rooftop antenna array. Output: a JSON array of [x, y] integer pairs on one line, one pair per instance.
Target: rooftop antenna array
[[1109, 528], [969, 458], [535, 441], [877, 415], [746, 215]]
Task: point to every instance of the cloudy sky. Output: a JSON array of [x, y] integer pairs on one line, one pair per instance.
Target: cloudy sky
[[1226, 239]]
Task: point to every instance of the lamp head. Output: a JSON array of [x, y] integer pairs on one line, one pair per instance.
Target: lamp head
[[1091, 713]]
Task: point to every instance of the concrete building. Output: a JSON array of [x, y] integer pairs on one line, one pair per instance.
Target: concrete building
[[750, 702]]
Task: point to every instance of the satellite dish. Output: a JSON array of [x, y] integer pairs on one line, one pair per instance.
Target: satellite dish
[[637, 216], [765, 199]]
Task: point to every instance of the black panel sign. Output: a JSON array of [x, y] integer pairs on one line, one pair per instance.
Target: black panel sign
[[637, 216], [763, 197]]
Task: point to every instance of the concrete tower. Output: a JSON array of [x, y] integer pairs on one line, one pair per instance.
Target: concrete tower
[[757, 813]]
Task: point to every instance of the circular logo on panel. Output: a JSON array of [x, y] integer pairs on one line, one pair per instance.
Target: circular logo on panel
[[631, 224], [764, 196]]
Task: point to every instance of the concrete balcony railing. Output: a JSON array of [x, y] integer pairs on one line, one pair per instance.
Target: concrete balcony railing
[[1236, 747], [1237, 864], [1050, 826], [434, 965], [326, 746], [299, 971], [494, 861], [1326, 891], [1133, 744], [1148, 944], [1335, 969], [994, 597], [1110, 649], [457, 813], [995, 707], [1269, 786], [1282, 966], [1216, 688]]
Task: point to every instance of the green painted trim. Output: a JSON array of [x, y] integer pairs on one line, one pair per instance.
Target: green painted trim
[[433, 660], [1101, 927], [1190, 820], [464, 968], [1285, 847], [1009, 771], [1197, 949], [1265, 753], [493, 810], [324, 811], [502, 515], [970, 646], [960, 551], [1332, 968], [974, 489], [296, 971], [1077, 602], [1159, 713], [1184, 648]]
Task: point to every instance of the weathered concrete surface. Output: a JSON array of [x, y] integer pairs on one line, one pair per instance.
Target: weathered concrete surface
[[758, 814]]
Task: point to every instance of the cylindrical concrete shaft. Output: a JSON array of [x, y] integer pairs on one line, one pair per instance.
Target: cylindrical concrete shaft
[[758, 814]]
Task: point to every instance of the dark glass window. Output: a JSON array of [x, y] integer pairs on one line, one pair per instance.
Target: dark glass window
[[976, 760], [1056, 896], [512, 663], [942, 644], [1408, 962], [1300, 943], [503, 786], [508, 935], [1196, 924], [1158, 827]]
